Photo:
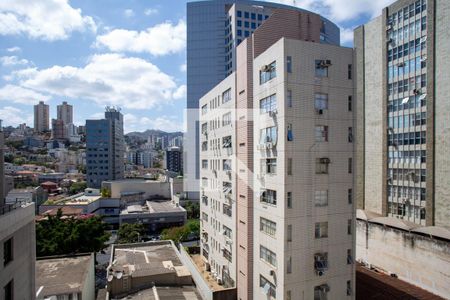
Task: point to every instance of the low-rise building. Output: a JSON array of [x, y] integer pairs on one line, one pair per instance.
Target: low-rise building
[[36, 195], [69, 277], [137, 267], [156, 215], [149, 188]]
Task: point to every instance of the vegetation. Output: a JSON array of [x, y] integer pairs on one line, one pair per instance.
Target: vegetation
[[193, 210], [190, 231], [77, 187], [130, 233], [106, 193], [57, 236]]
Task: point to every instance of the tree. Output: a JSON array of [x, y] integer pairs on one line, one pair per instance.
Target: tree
[[57, 236], [130, 233], [187, 232], [77, 187], [106, 193], [192, 210]]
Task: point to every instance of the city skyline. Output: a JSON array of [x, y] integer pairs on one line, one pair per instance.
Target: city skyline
[[44, 64]]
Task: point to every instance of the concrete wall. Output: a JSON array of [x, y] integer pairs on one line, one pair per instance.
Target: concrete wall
[[2, 170], [19, 224], [417, 259], [89, 282], [150, 188], [442, 119]]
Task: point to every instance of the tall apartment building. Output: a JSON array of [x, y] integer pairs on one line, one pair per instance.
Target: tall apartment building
[[41, 117], [279, 245], [58, 129], [214, 29], [402, 93], [65, 113], [17, 245], [105, 148], [174, 159]]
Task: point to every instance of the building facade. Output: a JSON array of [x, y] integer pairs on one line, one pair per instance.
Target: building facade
[[41, 117], [174, 159], [65, 113], [218, 183], [402, 71], [214, 29], [105, 148], [58, 129]]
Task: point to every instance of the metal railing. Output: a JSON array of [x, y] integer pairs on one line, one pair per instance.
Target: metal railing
[[9, 207]]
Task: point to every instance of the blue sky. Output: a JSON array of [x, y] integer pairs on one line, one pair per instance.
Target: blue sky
[[113, 52]]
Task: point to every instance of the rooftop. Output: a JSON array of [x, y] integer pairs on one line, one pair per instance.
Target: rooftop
[[55, 276], [146, 259], [153, 207], [165, 292]]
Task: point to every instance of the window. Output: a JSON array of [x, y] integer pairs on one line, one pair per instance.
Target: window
[[349, 103], [247, 24], [349, 257], [267, 226], [268, 104], [289, 166], [204, 182], [239, 14], [8, 290], [205, 128], [350, 165], [349, 288], [227, 231], [8, 252], [321, 230], [350, 196], [227, 210], [226, 164], [321, 133], [227, 254], [289, 199], [289, 98], [320, 292], [349, 72], [289, 233], [268, 135], [268, 288], [268, 256], [290, 136], [226, 119], [204, 164], [424, 23], [226, 96], [320, 102], [226, 142], [288, 295], [267, 72], [289, 265], [204, 109], [350, 134], [269, 165], [321, 67], [289, 64], [349, 226], [269, 197], [322, 165], [320, 198]]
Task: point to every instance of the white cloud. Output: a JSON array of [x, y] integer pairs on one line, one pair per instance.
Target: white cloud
[[107, 79], [162, 39], [12, 116], [44, 19], [166, 123], [14, 49], [346, 35], [18, 94], [12, 61], [151, 11], [128, 13], [183, 68]]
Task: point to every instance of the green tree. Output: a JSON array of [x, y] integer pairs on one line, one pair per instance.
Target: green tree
[[77, 187], [130, 233], [19, 161], [57, 236], [106, 193], [189, 231], [192, 210]]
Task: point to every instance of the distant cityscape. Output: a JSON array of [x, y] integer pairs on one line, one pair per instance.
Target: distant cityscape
[[308, 170]]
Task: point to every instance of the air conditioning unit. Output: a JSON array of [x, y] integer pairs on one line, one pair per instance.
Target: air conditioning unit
[[272, 273], [273, 113], [266, 68], [325, 63]]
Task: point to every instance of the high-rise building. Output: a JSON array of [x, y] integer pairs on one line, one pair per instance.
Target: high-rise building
[[402, 63], [277, 165], [174, 160], [65, 113], [41, 117], [105, 148], [58, 129], [214, 29], [17, 241]]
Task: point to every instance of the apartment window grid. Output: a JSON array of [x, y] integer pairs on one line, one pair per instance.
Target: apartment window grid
[[321, 198], [407, 80], [269, 197], [321, 133], [8, 251], [269, 166], [268, 135], [268, 104], [268, 72], [267, 226], [321, 230], [268, 287], [289, 199], [320, 102], [268, 256]]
